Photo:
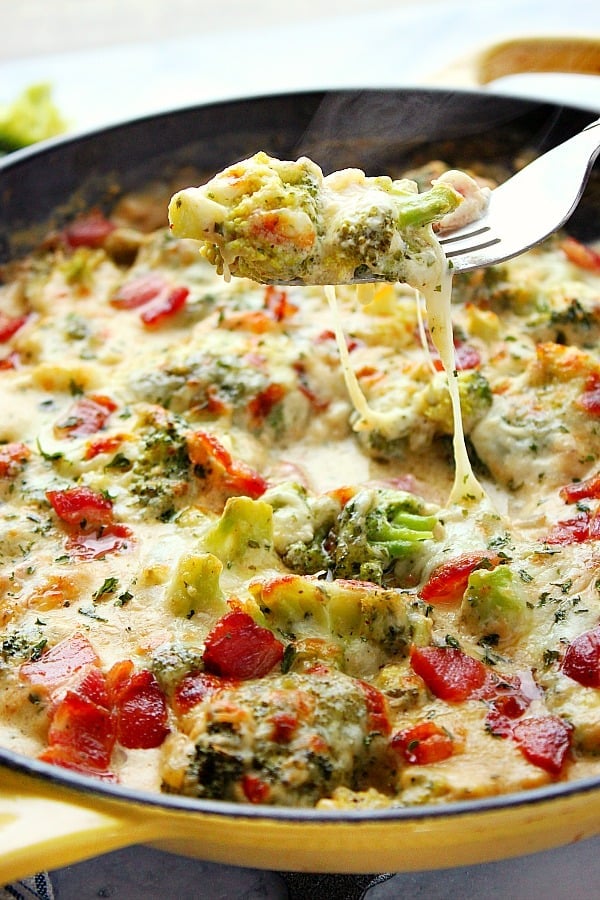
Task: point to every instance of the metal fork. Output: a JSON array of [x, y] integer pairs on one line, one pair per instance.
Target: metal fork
[[527, 208]]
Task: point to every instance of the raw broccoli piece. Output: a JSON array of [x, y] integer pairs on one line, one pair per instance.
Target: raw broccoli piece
[[378, 528], [30, 118]]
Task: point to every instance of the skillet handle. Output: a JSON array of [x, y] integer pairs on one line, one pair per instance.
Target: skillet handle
[[44, 826], [569, 55]]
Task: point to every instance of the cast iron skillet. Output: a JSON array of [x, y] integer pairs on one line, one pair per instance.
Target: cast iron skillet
[[50, 817]]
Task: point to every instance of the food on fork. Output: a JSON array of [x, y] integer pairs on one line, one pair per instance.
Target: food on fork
[[280, 221]]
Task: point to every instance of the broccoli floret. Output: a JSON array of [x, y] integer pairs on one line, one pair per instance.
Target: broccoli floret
[[32, 117], [475, 400], [195, 590], [495, 604], [243, 536], [301, 524], [375, 537], [377, 529], [171, 662], [369, 624], [272, 220]]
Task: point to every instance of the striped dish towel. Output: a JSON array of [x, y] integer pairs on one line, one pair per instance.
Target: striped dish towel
[[38, 887]]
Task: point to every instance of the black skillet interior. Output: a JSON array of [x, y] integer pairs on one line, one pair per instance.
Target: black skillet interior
[[387, 131]]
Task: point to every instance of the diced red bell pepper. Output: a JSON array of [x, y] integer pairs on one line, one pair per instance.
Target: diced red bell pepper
[[465, 357], [237, 647], [13, 457], [81, 507], [585, 526], [139, 290], [164, 306], [581, 661], [141, 712], [84, 729], [589, 489], [545, 741], [449, 673], [58, 664], [87, 416], [157, 298], [224, 472], [196, 687], [582, 256], [103, 445], [57, 755], [589, 400], [9, 325], [255, 789], [423, 744], [505, 708], [93, 687], [377, 708], [264, 402], [278, 304], [90, 230], [448, 581], [11, 361]]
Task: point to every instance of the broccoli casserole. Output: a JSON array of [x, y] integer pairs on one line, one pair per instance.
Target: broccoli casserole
[[219, 579]]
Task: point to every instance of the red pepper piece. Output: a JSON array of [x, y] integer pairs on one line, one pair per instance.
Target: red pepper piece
[[224, 472], [95, 545], [545, 741], [90, 230], [164, 306], [589, 489], [237, 647], [81, 507], [423, 744], [582, 256], [59, 663], [377, 708], [196, 687], [448, 581], [87, 416], [13, 457], [9, 325], [581, 661], [449, 673], [141, 710], [84, 729]]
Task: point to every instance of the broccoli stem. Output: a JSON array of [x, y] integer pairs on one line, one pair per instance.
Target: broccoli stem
[[421, 209]]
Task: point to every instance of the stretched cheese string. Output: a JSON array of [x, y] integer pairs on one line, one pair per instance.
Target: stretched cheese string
[[438, 297], [368, 417]]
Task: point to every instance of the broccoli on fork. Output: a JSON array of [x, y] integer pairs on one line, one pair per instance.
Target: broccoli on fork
[[283, 221]]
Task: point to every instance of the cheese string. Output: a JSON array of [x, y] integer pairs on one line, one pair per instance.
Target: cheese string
[[438, 298]]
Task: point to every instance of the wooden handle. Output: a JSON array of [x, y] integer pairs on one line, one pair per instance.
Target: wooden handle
[[570, 55], [578, 56]]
